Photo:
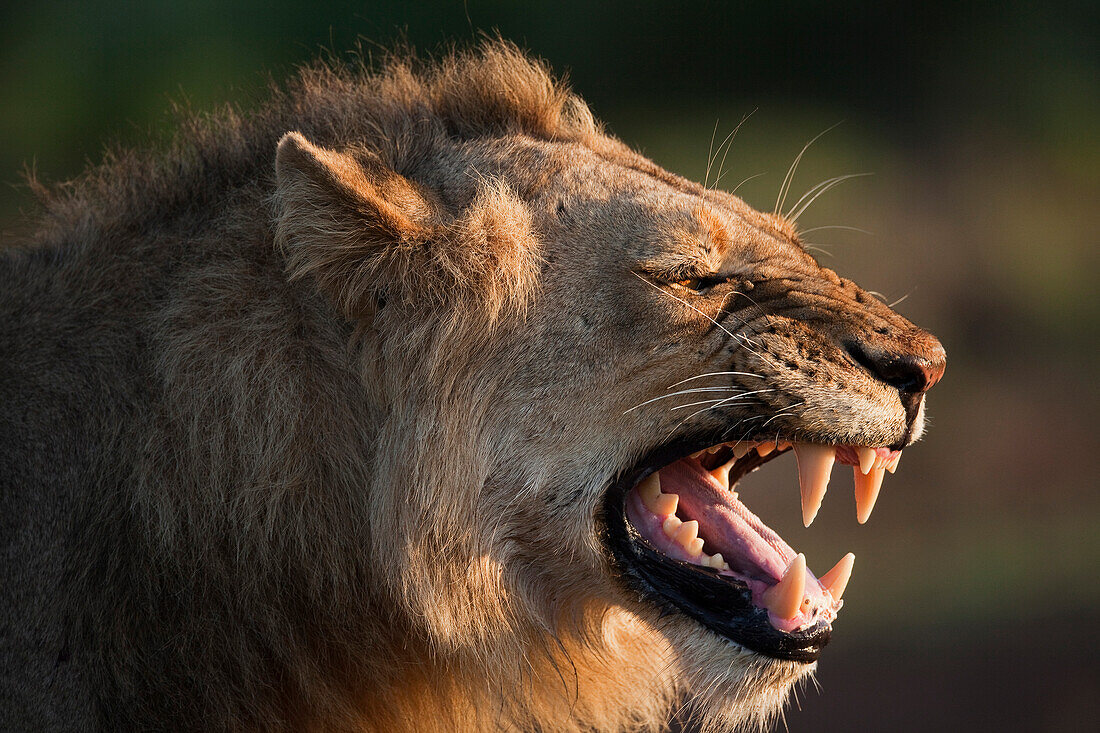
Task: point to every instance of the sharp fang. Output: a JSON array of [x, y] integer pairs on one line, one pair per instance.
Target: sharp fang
[[765, 448], [687, 533], [784, 599], [665, 504], [893, 464], [815, 466], [866, 458], [650, 490], [836, 580], [867, 492], [670, 525], [742, 449]]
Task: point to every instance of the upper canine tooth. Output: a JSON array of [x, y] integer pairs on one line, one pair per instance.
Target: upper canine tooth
[[785, 598], [815, 466], [665, 504], [866, 458], [836, 580], [650, 490], [867, 492], [893, 464]]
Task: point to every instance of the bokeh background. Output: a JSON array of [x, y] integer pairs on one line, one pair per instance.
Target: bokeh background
[[975, 603]]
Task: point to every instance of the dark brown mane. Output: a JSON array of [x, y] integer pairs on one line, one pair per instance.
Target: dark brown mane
[[398, 105]]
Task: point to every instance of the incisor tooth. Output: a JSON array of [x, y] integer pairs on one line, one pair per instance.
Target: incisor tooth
[[665, 504], [785, 597], [866, 458], [893, 464], [670, 525], [867, 493], [650, 489], [836, 580], [815, 466]]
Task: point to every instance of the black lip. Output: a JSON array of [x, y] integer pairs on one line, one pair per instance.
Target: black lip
[[722, 604]]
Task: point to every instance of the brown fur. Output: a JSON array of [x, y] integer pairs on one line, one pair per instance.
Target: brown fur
[[307, 420]]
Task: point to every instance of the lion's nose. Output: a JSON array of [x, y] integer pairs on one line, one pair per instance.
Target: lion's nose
[[912, 372]]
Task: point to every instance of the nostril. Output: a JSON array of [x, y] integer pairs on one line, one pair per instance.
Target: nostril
[[907, 373]]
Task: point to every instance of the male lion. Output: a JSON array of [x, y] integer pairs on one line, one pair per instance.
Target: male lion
[[354, 413]]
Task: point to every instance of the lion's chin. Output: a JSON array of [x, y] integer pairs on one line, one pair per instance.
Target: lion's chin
[[731, 688]]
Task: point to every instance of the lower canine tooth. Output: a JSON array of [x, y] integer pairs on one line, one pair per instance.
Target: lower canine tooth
[[836, 580], [784, 599], [815, 466], [867, 488], [650, 490]]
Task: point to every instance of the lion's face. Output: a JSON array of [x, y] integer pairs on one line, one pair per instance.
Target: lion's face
[[680, 340], [667, 340]]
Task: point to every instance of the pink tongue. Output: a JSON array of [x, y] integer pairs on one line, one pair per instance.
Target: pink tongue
[[727, 526]]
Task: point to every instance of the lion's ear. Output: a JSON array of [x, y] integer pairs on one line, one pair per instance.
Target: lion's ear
[[349, 221]]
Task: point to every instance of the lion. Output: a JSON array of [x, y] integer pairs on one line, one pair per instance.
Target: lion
[[413, 400]]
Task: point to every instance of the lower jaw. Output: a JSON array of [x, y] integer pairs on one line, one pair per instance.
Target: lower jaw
[[721, 604]]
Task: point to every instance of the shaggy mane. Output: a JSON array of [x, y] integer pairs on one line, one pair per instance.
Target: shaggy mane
[[398, 105]]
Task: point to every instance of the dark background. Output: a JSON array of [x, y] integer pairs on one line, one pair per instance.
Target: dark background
[[975, 603]]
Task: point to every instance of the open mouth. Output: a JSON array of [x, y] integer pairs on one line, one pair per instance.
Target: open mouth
[[683, 538]]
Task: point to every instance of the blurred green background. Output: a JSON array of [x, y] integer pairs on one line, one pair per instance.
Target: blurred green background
[[975, 603]]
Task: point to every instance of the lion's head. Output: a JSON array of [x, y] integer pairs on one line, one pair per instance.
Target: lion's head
[[572, 356]]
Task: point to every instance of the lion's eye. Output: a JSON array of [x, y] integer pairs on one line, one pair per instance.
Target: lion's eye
[[695, 284]]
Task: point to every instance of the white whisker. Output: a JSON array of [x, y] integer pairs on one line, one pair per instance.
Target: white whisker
[[680, 392], [836, 226], [716, 374], [742, 183], [832, 183], [891, 305], [729, 145], [789, 178]]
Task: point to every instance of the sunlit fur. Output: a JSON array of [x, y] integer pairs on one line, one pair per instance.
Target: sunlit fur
[[312, 414]]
